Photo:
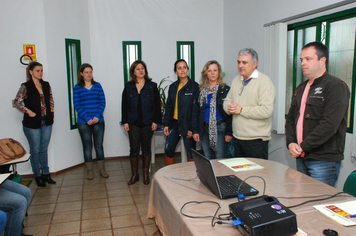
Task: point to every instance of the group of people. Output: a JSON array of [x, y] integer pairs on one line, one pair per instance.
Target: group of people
[[210, 112]]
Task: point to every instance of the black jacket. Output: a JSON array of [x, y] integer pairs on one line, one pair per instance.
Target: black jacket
[[150, 104], [199, 112], [325, 118], [187, 96], [33, 102]]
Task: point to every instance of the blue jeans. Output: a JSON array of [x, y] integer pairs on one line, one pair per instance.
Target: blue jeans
[[3, 220], [38, 140], [324, 171], [14, 200], [256, 148], [172, 140], [89, 132], [205, 143]]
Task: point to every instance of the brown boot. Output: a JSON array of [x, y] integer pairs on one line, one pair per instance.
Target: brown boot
[[146, 160], [134, 169], [102, 171], [169, 161], [90, 173]]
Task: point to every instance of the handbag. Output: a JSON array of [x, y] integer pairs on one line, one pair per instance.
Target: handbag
[[10, 149]]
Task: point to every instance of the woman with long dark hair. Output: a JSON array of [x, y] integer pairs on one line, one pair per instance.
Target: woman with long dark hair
[[35, 100], [177, 120], [89, 102], [141, 112]]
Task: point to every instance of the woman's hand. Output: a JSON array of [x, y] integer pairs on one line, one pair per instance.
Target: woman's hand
[[154, 126], [228, 138], [190, 134], [30, 113], [196, 137], [166, 130], [95, 120], [126, 127]]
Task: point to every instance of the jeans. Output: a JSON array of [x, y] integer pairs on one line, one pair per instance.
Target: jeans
[[38, 140], [205, 143], [140, 137], [324, 171], [89, 132], [251, 148], [172, 140], [3, 220], [14, 200]]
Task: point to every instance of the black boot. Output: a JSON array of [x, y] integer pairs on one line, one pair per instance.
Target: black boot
[[48, 179], [134, 169], [40, 182], [146, 161]]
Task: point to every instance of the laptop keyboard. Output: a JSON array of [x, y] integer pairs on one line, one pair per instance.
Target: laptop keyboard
[[227, 185]]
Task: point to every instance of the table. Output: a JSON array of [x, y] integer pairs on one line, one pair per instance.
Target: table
[[4, 177], [17, 161], [167, 196]]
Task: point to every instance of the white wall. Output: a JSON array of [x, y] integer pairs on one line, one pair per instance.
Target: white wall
[[243, 27]]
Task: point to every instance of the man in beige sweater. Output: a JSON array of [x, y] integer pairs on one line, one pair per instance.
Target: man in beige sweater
[[250, 101]]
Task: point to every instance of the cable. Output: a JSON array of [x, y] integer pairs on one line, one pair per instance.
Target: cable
[[264, 188], [316, 200]]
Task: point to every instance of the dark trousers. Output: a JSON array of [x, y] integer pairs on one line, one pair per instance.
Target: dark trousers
[[251, 148], [140, 137]]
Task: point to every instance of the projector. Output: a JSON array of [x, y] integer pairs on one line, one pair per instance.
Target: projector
[[264, 216]]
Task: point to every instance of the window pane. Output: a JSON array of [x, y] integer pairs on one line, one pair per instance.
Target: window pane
[[185, 50], [131, 53], [342, 50], [290, 60]]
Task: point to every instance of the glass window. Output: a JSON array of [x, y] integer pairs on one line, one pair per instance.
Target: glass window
[[131, 51], [185, 50], [73, 57], [337, 32]]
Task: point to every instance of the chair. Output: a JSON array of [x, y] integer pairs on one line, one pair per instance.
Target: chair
[[350, 184]]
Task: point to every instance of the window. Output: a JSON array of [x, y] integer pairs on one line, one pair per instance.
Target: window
[[74, 61], [185, 50], [337, 32], [131, 51]]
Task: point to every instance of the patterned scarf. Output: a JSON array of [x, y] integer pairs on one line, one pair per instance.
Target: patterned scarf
[[213, 130]]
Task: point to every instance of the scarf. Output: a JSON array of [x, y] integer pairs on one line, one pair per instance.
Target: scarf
[[213, 130]]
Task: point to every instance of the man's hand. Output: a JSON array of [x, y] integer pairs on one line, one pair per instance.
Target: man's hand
[[295, 150], [196, 137], [234, 108], [166, 130]]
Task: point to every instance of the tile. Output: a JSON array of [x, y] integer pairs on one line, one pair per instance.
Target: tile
[[117, 185], [119, 192], [73, 176], [129, 231], [74, 182], [126, 200], [122, 210], [68, 206], [70, 197], [101, 233], [67, 216], [139, 190], [71, 189], [140, 199], [37, 220], [47, 191], [96, 224], [95, 213], [40, 200], [96, 203], [40, 209], [37, 230], [95, 187], [94, 195], [125, 221], [65, 228]]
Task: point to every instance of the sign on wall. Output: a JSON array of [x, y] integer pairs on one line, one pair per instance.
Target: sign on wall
[[30, 50]]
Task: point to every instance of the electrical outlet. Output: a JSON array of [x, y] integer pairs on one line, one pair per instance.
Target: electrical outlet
[[353, 156]]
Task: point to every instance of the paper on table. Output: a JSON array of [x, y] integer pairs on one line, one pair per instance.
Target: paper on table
[[340, 212], [240, 164]]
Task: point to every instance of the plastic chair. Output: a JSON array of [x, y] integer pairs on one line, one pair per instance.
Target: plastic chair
[[350, 184]]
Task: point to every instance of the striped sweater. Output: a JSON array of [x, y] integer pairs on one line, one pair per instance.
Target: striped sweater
[[89, 103]]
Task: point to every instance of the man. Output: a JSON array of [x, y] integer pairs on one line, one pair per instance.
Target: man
[[250, 101], [317, 119]]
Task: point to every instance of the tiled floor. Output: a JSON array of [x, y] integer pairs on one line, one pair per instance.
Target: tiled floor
[[77, 206]]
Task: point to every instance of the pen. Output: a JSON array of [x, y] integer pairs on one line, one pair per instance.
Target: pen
[[354, 215]]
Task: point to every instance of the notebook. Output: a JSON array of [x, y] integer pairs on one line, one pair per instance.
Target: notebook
[[222, 186]]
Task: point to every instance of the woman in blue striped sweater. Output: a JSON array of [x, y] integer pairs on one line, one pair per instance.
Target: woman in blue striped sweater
[[89, 102]]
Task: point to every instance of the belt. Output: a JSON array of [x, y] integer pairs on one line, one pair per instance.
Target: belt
[[218, 122]]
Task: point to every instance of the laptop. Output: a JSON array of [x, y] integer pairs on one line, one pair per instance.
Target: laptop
[[222, 186]]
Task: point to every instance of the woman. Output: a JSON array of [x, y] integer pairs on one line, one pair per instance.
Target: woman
[[211, 125], [89, 102], [177, 120], [14, 200], [141, 112], [35, 100]]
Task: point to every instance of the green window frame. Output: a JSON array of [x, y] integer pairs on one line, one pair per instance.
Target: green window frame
[[320, 29], [73, 61], [185, 50], [131, 51]]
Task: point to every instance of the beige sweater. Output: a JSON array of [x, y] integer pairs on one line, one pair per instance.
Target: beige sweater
[[257, 100]]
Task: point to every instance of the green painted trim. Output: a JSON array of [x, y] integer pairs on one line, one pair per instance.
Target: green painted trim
[[192, 56], [124, 54], [70, 83]]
